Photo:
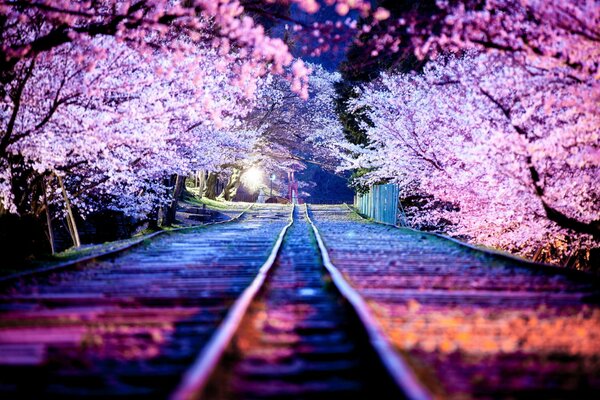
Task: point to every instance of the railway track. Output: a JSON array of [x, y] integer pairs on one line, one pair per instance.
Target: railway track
[[300, 337], [468, 323], [287, 303], [130, 326]]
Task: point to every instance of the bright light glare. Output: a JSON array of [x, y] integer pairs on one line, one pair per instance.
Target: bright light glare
[[253, 178]]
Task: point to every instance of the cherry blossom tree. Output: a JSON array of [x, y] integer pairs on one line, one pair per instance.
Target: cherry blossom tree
[[507, 148], [33, 33], [160, 32], [293, 131], [109, 136], [304, 126], [541, 57], [544, 34], [33, 27], [114, 101]]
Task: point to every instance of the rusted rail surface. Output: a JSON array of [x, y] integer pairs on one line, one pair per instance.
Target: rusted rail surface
[[300, 338], [471, 324], [130, 326]]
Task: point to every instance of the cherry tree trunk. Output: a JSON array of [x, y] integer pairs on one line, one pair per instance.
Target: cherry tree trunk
[[171, 211], [152, 219], [210, 186], [232, 186], [49, 220], [201, 181]]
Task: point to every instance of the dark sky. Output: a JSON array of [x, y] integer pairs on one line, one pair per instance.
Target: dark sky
[[329, 60]]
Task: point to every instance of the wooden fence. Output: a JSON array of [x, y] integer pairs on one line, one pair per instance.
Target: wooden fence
[[381, 204]]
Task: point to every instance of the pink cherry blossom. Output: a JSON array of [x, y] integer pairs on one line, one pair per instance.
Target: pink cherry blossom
[[479, 134]]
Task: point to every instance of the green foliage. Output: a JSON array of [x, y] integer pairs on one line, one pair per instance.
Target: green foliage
[[358, 187], [193, 199], [351, 121]]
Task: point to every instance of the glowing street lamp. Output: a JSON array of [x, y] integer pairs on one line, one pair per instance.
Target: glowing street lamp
[[253, 178]]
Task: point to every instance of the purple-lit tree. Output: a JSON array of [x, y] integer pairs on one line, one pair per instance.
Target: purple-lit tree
[[509, 147], [110, 135], [548, 35], [65, 94], [124, 111], [292, 130]]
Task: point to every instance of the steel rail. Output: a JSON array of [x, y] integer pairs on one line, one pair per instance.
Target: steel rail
[[402, 375], [74, 263], [197, 376]]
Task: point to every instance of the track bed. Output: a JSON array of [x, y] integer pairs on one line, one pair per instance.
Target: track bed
[[130, 326], [471, 324], [300, 339]]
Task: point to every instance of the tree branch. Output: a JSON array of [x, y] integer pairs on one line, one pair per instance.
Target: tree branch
[[561, 219], [16, 98]]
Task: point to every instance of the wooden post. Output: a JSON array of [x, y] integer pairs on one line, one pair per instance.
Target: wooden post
[[538, 253], [201, 183], [49, 220], [70, 216]]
